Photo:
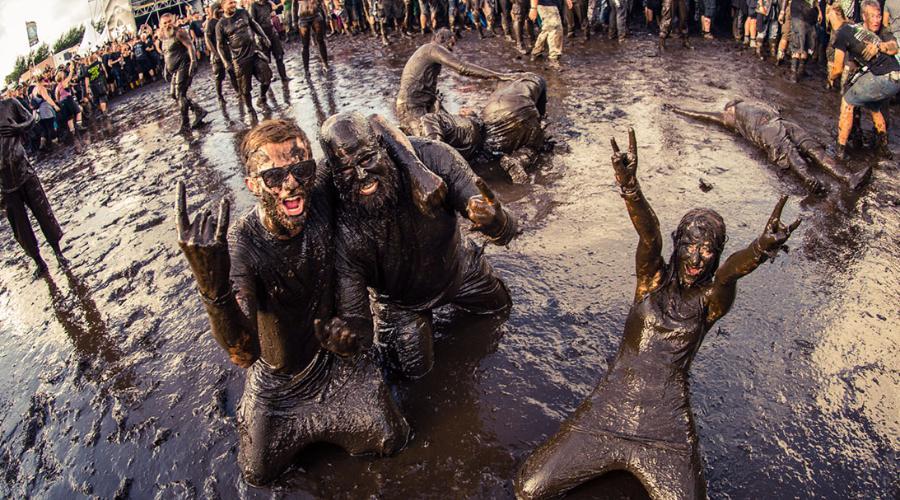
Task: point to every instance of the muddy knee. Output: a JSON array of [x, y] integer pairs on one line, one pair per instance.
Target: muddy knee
[[405, 341]]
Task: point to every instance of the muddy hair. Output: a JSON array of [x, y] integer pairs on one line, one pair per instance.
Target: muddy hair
[[713, 224], [442, 36], [270, 132]]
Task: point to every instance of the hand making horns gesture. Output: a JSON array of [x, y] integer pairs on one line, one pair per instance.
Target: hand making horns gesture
[[775, 233], [204, 243], [483, 209], [625, 164]]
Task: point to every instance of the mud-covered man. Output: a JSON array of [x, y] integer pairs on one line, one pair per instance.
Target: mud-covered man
[[261, 12], [310, 21], [413, 262], [509, 127], [418, 93], [213, 14], [267, 289], [787, 144], [21, 187], [237, 47], [181, 64]]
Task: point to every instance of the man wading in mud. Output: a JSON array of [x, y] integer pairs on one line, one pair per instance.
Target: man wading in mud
[[786, 144], [21, 187], [412, 262], [267, 289], [418, 84], [261, 12], [180, 63], [214, 13], [239, 52], [307, 15]]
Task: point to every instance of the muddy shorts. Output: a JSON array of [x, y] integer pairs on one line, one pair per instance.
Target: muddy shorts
[[385, 10], [255, 66], [404, 337], [803, 37], [871, 91], [343, 401], [429, 8], [98, 89], [307, 21]]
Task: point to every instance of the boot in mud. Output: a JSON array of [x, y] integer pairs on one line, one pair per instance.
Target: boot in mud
[[883, 148]]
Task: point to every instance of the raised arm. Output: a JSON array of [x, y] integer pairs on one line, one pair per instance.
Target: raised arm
[[745, 261], [204, 243], [649, 264], [446, 58]]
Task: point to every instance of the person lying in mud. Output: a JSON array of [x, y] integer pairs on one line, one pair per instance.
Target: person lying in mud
[[240, 52], [413, 262], [178, 52], [786, 143], [418, 83], [20, 186], [639, 418], [269, 291], [509, 127]]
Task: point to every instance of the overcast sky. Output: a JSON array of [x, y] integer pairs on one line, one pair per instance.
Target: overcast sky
[[53, 18]]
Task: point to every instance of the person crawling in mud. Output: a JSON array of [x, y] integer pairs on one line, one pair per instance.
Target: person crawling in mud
[[639, 418], [786, 143], [20, 186], [413, 262], [239, 51], [269, 292], [178, 52], [418, 83], [509, 127]]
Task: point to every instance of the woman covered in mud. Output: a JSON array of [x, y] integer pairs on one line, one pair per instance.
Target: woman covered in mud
[[639, 416]]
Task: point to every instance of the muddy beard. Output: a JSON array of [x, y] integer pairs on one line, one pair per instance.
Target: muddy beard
[[375, 205], [284, 225]]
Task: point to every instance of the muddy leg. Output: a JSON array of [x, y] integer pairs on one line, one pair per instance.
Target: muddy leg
[[404, 340], [319, 28], [18, 219]]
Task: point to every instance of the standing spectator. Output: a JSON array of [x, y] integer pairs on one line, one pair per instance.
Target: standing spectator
[[551, 29]]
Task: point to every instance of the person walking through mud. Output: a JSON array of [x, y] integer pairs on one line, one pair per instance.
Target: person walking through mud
[[639, 417], [20, 187], [214, 13], [418, 92], [182, 65], [509, 127], [787, 144], [240, 53], [874, 50], [412, 262], [261, 12], [308, 16], [551, 33], [667, 18], [267, 290]]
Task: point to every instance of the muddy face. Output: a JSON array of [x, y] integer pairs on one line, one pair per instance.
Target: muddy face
[[229, 7], [281, 177], [364, 175], [696, 257], [872, 18]]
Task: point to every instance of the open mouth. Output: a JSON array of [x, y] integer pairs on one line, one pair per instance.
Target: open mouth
[[293, 206], [369, 188], [692, 271]]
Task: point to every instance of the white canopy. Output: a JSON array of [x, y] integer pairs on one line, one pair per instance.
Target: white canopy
[[92, 39]]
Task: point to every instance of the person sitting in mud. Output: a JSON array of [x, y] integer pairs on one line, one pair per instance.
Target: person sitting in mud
[[178, 51], [786, 143], [509, 127], [267, 292], [238, 49], [639, 418], [21, 187], [418, 84], [413, 262]]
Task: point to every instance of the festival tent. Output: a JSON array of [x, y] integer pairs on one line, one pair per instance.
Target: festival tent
[[92, 39]]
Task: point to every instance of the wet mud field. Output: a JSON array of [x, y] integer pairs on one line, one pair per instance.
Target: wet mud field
[[112, 386]]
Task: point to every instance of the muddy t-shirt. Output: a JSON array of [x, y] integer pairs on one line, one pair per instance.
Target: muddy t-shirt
[[15, 168], [805, 10], [237, 32], [852, 39]]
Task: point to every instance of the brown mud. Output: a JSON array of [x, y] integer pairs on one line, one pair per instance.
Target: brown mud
[[111, 385]]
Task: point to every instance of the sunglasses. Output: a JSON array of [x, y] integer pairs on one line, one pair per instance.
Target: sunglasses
[[302, 171]]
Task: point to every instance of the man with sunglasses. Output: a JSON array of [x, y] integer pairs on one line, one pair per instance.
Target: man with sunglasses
[[412, 260], [267, 290]]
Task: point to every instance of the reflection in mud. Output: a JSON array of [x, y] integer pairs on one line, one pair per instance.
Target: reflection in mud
[[794, 396]]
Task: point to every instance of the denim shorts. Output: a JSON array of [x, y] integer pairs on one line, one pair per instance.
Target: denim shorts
[[870, 90]]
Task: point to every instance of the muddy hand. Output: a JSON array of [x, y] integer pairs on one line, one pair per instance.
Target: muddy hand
[[336, 336], [483, 209], [428, 189], [776, 233], [625, 164], [204, 243]]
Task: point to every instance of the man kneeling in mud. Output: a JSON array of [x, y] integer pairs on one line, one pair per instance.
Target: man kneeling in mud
[[786, 143], [509, 127], [267, 292], [412, 261]]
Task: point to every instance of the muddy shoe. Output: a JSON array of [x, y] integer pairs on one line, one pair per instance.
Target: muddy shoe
[[816, 186], [554, 64], [184, 129], [514, 169], [840, 152], [859, 179], [198, 118], [883, 148], [60, 258], [41, 270]]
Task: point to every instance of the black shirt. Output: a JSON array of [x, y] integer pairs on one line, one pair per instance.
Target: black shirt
[[852, 39], [805, 10], [234, 36]]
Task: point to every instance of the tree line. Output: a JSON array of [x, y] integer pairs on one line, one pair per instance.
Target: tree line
[[66, 40]]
